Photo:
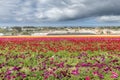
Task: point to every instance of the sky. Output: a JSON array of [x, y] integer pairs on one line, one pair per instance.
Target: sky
[[60, 12]]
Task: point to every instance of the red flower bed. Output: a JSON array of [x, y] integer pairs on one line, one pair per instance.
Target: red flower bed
[[60, 44]]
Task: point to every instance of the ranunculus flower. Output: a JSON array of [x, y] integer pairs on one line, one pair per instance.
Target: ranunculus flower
[[24, 75], [8, 77], [101, 76], [87, 78], [61, 64], [75, 72], [8, 72], [52, 58], [95, 73], [114, 75], [16, 68]]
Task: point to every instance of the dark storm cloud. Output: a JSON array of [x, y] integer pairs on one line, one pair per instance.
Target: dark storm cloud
[[58, 10]]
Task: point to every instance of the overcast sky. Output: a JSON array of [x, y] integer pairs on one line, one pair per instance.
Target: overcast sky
[[60, 12]]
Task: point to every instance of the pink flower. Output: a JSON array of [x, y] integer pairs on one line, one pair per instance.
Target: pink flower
[[95, 73], [8, 72], [114, 75], [75, 72], [87, 78], [61, 65], [24, 75]]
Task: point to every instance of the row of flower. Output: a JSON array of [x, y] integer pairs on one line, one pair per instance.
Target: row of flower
[[59, 58], [60, 44]]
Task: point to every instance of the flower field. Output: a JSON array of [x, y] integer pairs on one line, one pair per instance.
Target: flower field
[[60, 58]]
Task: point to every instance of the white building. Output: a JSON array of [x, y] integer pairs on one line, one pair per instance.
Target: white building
[[39, 34]]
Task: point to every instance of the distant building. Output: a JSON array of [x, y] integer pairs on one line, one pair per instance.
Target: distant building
[[39, 34], [1, 34]]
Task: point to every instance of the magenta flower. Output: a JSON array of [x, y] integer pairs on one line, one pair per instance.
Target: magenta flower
[[8, 77], [75, 72], [16, 68], [24, 75], [46, 75], [61, 65], [8, 72], [106, 69], [95, 73], [101, 76]]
